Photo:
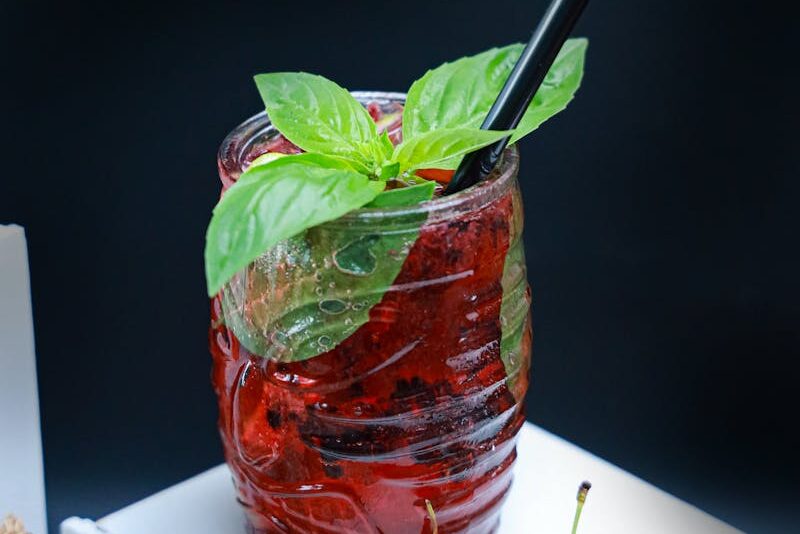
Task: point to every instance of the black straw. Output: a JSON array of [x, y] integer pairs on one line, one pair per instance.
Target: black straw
[[521, 86]]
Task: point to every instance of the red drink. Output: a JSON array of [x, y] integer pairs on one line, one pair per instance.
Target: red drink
[[420, 402]]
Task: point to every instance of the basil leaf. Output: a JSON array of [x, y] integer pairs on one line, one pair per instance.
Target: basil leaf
[[514, 307], [460, 94], [267, 157], [310, 292], [386, 145], [375, 154], [277, 200], [315, 114], [404, 196], [389, 171], [431, 148], [557, 89]]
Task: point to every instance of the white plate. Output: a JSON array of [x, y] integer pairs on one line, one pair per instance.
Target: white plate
[[542, 500]]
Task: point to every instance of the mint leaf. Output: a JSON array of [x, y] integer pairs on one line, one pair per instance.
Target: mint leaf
[[557, 89], [460, 94], [433, 148], [404, 196], [316, 114], [275, 201]]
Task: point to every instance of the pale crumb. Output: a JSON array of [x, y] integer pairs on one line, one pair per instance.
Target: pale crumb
[[12, 525]]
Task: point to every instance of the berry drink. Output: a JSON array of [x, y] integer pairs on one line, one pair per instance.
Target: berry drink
[[420, 400]]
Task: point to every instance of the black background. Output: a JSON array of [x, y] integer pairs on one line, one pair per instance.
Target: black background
[[661, 227]]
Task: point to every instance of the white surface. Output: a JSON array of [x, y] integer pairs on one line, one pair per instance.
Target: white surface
[[547, 475], [21, 472]]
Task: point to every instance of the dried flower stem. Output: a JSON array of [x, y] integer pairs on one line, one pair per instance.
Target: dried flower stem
[[583, 490], [432, 515]]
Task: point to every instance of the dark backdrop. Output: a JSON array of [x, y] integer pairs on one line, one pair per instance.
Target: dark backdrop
[[661, 228]]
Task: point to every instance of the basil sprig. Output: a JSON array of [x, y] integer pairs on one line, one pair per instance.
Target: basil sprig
[[347, 162], [346, 166]]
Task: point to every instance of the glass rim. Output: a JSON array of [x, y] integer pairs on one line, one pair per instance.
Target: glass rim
[[235, 145]]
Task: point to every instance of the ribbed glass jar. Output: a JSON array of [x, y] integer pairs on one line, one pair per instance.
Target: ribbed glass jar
[[419, 319]]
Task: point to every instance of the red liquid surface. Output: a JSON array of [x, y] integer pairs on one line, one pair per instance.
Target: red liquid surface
[[414, 405]]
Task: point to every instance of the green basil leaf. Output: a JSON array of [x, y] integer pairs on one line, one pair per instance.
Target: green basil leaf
[[460, 94], [404, 196], [315, 114], [267, 157], [277, 200], [386, 145], [557, 89], [375, 154], [308, 293], [514, 307], [430, 149], [389, 171]]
